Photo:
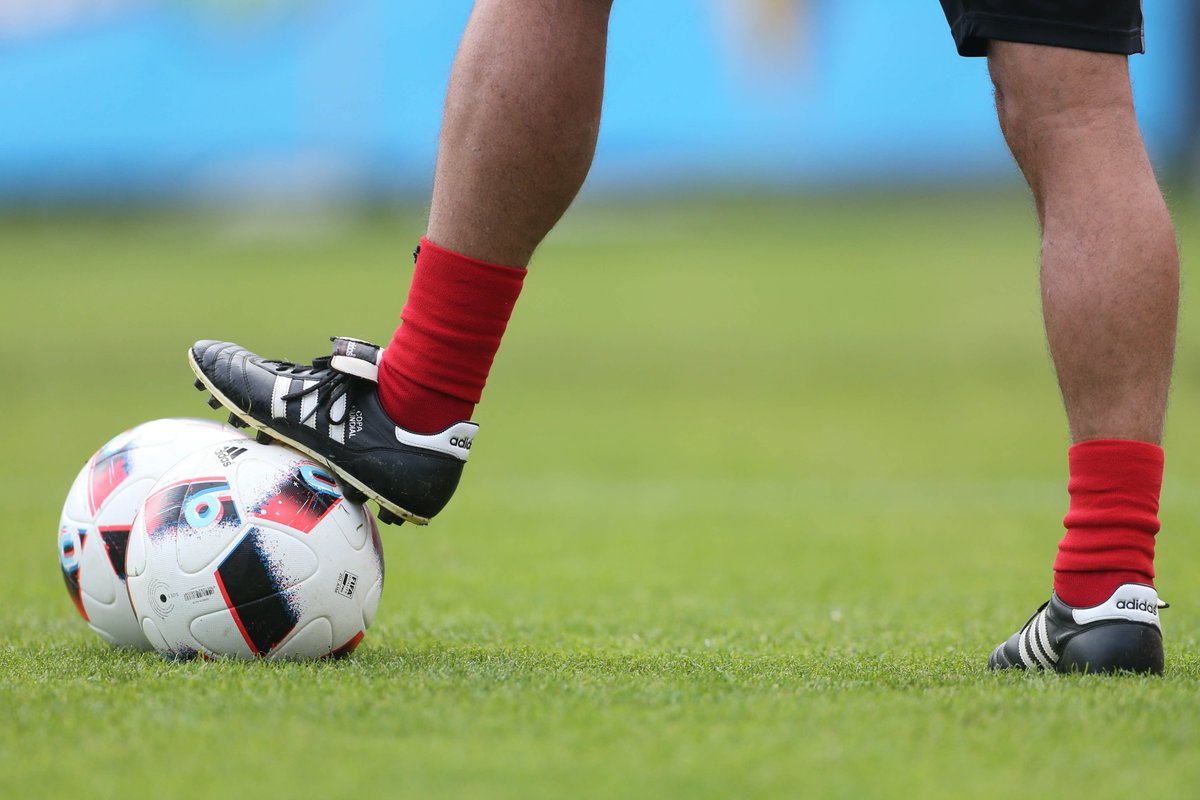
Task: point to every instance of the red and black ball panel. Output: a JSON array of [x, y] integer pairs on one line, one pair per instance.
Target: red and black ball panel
[[108, 471], [192, 504], [299, 499], [70, 550], [116, 545], [254, 588]]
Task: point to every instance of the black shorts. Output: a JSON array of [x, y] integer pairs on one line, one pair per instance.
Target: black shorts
[[1106, 26]]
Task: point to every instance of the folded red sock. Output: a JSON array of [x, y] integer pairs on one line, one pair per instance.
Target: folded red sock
[[1112, 520], [435, 368]]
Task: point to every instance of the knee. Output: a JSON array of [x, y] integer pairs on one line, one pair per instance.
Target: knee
[[1047, 92]]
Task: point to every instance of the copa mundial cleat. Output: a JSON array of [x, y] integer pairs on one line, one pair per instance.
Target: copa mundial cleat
[[330, 411], [1122, 634]]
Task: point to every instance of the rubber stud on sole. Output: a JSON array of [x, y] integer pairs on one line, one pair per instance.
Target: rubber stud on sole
[[353, 495], [199, 384], [237, 421], [213, 402], [262, 437], [388, 518]]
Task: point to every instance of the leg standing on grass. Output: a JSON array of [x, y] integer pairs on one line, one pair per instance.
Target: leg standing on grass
[[1110, 294]]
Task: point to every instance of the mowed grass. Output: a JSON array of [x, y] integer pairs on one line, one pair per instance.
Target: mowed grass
[[759, 484]]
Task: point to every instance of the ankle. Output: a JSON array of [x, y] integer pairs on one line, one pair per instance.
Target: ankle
[[1112, 521], [1085, 589], [418, 408], [433, 372]]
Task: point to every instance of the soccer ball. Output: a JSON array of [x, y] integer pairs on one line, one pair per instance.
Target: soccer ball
[[251, 550], [94, 529]]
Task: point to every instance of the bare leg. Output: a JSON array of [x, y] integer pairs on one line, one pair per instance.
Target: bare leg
[[520, 125], [518, 135], [1110, 267]]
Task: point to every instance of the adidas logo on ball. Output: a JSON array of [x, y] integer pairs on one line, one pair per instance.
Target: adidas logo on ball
[[226, 455]]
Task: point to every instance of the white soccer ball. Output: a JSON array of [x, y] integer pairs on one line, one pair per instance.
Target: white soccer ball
[[251, 550], [93, 531]]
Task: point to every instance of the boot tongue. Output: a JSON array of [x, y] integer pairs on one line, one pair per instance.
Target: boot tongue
[[356, 357]]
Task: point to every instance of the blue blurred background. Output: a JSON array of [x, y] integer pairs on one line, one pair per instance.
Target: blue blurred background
[[135, 100]]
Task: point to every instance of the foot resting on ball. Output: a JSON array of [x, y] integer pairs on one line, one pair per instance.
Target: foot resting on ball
[[330, 410], [1122, 634]]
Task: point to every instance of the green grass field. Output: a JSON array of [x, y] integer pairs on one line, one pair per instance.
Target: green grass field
[[759, 485]]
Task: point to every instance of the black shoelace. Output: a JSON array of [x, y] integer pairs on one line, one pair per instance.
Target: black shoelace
[[333, 382]]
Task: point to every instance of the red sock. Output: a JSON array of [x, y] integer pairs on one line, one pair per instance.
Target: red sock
[[1112, 520], [433, 372]]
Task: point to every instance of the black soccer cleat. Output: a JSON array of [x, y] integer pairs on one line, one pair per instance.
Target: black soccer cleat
[[330, 411], [1122, 634]]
